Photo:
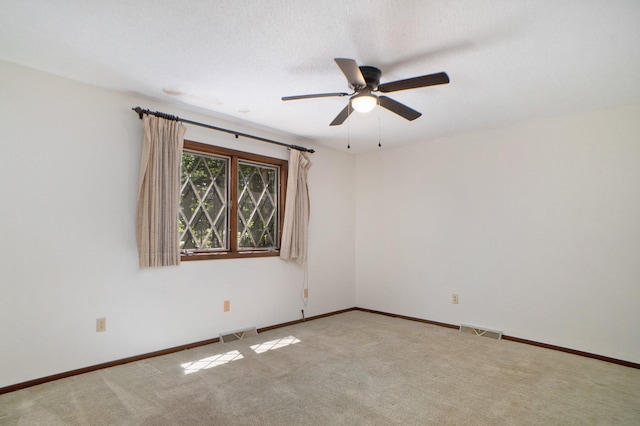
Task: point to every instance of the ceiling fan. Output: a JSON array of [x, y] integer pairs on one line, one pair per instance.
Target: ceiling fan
[[365, 80]]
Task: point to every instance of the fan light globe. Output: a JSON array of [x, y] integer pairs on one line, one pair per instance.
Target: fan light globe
[[364, 103]]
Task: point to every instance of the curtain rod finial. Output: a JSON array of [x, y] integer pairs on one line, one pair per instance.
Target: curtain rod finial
[[139, 111]]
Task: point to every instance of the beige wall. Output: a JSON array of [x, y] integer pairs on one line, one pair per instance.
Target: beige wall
[[536, 227], [69, 173]]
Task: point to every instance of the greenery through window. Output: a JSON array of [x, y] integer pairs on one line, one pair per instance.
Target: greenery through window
[[203, 213], [257, 206], [231, 203]]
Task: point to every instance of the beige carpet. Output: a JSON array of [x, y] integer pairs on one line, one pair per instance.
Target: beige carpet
[[354, 368]]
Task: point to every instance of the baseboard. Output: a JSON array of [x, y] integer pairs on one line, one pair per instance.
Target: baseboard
[[35, 382], [285, 324], [404, 317], [573, 351], [30, 383], [516, 339]]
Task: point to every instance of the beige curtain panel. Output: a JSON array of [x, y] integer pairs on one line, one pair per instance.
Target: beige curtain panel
[[296, 213], [159, 192]]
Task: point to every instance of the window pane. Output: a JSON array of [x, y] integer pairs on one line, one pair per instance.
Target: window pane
[[257, 206], [203, 206]]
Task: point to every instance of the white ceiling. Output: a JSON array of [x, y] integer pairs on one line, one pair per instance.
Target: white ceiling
[[508, 61]]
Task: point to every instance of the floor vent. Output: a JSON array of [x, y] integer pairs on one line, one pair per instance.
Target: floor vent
[[230, 336], [480, 331]]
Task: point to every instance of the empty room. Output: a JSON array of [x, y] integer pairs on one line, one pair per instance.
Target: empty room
[[320, 212]]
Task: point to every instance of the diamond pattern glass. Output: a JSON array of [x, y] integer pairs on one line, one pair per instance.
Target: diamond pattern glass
[[257, 218], [203, 206]]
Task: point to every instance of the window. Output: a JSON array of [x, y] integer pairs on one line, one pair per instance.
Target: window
[[231, 204]]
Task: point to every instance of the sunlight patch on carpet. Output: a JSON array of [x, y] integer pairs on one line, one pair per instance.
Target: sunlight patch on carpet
[[210, 362], [274, 344]]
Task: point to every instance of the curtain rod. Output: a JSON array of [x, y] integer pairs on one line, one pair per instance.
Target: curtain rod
[[141, 112]]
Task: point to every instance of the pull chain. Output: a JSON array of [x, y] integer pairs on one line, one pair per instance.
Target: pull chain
[[348, 125], [379, 144]]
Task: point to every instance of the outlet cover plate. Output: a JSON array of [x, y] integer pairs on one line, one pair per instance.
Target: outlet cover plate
[[101, 325]]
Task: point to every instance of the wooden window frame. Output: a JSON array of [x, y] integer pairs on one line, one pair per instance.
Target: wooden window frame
[[232, 189]]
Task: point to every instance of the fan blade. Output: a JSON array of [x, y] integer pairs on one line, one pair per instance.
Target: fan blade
[[351, 70], [318, 95], [415, 82], [342, 116], [398, 108]]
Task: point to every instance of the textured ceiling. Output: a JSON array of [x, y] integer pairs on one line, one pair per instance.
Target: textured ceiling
[[508, 61]]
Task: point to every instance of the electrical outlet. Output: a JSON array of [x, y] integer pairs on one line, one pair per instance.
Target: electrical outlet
[[101, 325], [306, 293], [227, 305], [454, 298]]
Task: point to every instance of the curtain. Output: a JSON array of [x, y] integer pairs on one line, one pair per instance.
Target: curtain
[[159, 192], [296, 211]]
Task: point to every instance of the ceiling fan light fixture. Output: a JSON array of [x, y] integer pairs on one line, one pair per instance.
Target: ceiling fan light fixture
[[366, 79], [364, 103]]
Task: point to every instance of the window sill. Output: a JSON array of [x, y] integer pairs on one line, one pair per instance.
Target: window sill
[[228, 255]]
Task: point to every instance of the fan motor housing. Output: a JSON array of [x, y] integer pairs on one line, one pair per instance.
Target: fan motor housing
[[371, 76]]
